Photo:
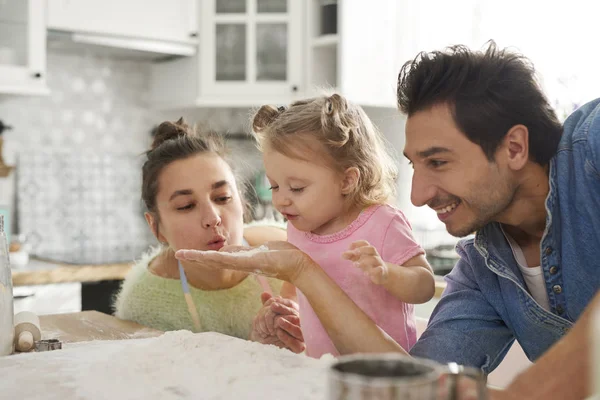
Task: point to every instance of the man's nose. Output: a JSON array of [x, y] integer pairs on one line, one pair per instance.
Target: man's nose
[[422, 190]]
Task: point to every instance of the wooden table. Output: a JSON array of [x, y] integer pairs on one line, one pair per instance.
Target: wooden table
[[91, 325]]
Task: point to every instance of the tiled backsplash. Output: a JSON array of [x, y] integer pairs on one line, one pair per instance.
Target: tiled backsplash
[[81, 207], [95, 103], [96, 111]]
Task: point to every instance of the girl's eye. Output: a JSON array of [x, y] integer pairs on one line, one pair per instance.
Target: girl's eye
[[188, 207], [274, 188], [223, 199], [297, 190]]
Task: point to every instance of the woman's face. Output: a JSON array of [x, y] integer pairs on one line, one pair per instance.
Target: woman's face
[[199, 204]]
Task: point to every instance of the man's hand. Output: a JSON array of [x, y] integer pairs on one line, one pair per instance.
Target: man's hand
[[367, 258]]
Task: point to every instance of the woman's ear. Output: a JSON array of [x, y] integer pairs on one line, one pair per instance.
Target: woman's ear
[[153, 224], [350, 180]]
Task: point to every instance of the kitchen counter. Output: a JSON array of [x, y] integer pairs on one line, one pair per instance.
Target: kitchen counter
[[39, 272], [440, 285], [99, 282]]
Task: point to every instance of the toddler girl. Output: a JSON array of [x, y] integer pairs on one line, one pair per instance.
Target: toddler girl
[[333, 180]]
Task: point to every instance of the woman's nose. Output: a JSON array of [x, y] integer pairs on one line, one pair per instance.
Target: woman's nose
[[211, 218]]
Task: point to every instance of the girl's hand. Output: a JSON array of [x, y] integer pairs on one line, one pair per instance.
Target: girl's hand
[[273, 306], [280, 260], [367, 258], [264, 322], [278, 325]]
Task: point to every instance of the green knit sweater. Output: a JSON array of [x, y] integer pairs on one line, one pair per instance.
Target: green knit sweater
[[158, 302]]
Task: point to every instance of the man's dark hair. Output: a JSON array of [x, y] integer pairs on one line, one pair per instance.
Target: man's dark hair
[[488, 92]]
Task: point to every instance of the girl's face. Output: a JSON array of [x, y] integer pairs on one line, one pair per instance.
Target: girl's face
[[199, 204], [308, 193]]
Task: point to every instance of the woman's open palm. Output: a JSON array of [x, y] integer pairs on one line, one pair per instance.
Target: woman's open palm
[[279, 259]]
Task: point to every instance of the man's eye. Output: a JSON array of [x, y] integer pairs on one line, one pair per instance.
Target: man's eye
[[436, 163], [411, 164], [297, 190]]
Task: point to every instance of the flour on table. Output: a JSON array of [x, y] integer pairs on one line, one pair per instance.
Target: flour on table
[[176, 365]]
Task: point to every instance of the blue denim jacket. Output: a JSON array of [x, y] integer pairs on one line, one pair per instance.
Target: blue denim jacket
[[486, 304]]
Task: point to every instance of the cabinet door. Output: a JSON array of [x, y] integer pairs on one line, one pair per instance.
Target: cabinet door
[[251, 49], [22, 46], [169, 20], [369, 40]]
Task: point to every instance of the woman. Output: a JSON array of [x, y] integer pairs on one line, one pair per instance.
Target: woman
[[193, 201]]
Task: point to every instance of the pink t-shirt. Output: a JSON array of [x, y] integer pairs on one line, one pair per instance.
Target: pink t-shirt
[[388, 230]]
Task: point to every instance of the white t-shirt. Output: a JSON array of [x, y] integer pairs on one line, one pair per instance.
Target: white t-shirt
[[533, 276]]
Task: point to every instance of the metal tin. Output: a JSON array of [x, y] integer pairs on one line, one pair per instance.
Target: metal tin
[[48, 344], [399, 377]]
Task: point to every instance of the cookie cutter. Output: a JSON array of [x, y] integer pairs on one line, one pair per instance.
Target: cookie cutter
[[48, 345]]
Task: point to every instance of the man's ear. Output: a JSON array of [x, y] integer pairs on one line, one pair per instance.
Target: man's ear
[[350, 180], [516, 147], [153, 224]]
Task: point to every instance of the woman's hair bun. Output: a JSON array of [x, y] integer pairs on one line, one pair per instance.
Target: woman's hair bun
[[169, 131]]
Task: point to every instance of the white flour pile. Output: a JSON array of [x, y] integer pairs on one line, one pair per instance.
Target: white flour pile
[[176, 365]]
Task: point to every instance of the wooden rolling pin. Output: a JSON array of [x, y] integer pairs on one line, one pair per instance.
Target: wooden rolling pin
[[27, 330]]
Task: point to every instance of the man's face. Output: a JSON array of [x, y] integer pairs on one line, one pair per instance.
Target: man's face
[[452, 175]]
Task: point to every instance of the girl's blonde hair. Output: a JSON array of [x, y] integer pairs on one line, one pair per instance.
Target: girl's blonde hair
[[346, 134]]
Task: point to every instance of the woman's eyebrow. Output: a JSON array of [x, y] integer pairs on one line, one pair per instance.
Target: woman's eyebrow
[[182, 192], [219, 184]]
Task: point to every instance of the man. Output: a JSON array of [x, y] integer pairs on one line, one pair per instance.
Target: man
[[490, 156]]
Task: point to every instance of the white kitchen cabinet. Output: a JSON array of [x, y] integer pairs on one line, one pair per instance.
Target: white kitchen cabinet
[[374, 39], [23, 47], [161, 20], [251, 52], [360, 58]]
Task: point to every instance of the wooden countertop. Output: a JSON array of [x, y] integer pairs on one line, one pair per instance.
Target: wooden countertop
[[91, 325], [440, 285], [47, 273]]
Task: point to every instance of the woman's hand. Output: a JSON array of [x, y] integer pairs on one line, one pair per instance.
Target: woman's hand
[[278, 323], [280, 259]]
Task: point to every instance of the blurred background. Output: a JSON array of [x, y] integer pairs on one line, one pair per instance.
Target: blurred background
[[83, 83]]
